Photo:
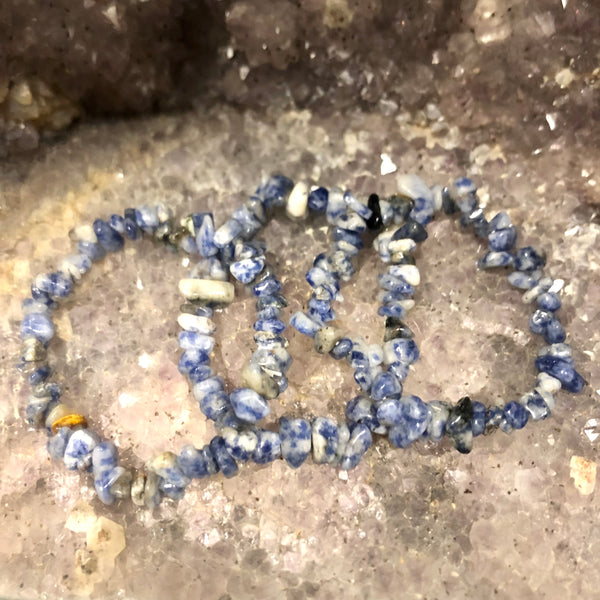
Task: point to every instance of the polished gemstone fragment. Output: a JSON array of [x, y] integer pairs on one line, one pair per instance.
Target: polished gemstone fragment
[[295, 437]]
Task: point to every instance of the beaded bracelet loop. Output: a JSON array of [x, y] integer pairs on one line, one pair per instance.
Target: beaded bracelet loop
[[382, 407], [232, 250]]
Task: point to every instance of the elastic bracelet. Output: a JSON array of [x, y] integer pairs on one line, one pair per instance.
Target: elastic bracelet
[[232, 250], [381, 406]]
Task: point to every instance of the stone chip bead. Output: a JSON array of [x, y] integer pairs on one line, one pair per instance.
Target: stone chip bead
[[336, 207], [38, 326], [413, 186], [173, 481], [108, 475], [75, 266], [248, 405], [78, 453], [375, 221], [385, 385], [240, 444], [304, 324], [409, 273], [38, 408], [516, 415], [33, 350], [549, 301], [325, 440], [400, 350], [57, 444], [192, 340], [358, 207], [341, 348], [146, 218], [412, 423], [56, 285], [360, 441], [151, 493], [251, 217], [223, 458], [529, 259], [58, 412], [436, 428], [207, 290], [362, 410], [211, 397], [478, 421], [563, 370], [494, 259], [459, 425], [246, 270], [110, 239], [317, 199], [196, 323], [295, 435], [274, 191], [297, 203], [196, 463], [71, 421], [268, 447], [501, 240], [412, 230], [326, 338], [227, 233], [204, 228], [254, 377], [536, 406]]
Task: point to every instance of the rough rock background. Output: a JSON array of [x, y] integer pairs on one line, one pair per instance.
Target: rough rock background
[[505, 93]]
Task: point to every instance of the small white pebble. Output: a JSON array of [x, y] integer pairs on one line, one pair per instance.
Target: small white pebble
[[85, 233], [410, 273], [325, 339], [408, 303], [297, 202], [437, 197], [207, 290], [548, 383], [404, 245], [196, 323]]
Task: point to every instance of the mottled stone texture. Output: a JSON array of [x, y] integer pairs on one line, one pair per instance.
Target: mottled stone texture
[[517, 518], [491, 63], [96, 57]]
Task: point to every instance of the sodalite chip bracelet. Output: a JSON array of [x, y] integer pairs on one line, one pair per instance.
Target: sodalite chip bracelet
[[399, 225], [381, 406]]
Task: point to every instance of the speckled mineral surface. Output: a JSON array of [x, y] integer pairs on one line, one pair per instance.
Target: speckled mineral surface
[[507, 94]]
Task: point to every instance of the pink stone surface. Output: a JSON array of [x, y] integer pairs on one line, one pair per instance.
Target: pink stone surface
[[506, 521]]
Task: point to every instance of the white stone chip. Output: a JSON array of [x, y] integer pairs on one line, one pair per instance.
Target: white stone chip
[[207, 290], [404, 245], [70, 269], [325, 339], [319, 444], [85, 233], [196, 323], [256, 379], [413, 187], [297, 202], [58, 412], [410, 273], [137, 488], [407, 304], [438, 200], [548, 383]]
